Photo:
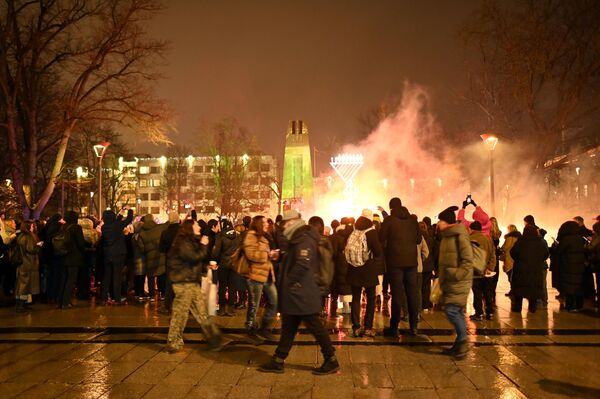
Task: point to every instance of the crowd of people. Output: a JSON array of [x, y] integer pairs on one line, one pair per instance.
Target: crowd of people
[[389, 261]]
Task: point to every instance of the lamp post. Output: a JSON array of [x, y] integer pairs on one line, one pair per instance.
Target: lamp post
[[100, 150], [490, 142]]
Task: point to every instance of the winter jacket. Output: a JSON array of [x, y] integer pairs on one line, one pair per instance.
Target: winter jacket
[[256, 251], [400, 234], [568, 259], [480, 216], [90, 235], [113, 238], [529, 254], [509, 240], [366, 275], [485, 243], [338, 244], [167, 237], [75, 242], [455, 265], [225, 245], [149, 240], [298, 292], [46, 235], [28, 274], [184, 260]]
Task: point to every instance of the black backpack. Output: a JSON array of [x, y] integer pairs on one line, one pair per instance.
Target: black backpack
[[60, 244]]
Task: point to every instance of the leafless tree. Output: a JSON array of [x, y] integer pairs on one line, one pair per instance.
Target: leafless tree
[[66, 62], [534, 67]]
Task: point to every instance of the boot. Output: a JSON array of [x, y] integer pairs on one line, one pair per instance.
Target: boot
[[329, 366], [264, 331], [213, 336], [19, 308], [462, 349], [275, 365]]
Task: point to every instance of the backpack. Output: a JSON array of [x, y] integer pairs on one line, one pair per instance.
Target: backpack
[[357, 251], [60, 242], [326, 266], [15, 254], [479, 259], [240, 262]]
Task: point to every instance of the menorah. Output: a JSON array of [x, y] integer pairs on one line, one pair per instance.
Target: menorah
[[347, 166]]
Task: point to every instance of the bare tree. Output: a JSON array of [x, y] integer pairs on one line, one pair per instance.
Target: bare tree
[[534, 67], [370, 120], [65, 62]]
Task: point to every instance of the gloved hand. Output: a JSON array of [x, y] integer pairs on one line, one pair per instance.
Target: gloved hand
[[473, 203], [465, 204]]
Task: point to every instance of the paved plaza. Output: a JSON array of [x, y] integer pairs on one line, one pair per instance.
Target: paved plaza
[[118, 352]]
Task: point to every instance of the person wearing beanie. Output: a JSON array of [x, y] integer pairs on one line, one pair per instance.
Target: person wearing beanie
[[483, 286], [399, 235], [167, 238], [455, 276], [479, 215], [300, 296]]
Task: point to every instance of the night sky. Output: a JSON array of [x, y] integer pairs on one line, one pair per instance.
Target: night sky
[[326, 62]]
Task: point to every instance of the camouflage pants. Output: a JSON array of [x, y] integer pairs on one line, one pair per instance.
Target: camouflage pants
[[188, 297]]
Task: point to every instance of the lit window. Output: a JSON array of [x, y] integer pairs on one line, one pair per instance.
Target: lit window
[[144, 170], [143, 183]]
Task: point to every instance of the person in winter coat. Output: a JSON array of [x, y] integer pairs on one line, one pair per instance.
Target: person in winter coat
[[90, 235], [28, 274], [365, 276], [51, 263], [340, 286], [483, 285], [167, 238], [427, 262], [507, 261], [300, 295], [399, 236], [74, 260], [529, 253], [114, 251], [184, 266], [593, 253], [479, 215], [261, 279], [226, 243], [568, 259], [149, 240], [455, 275]]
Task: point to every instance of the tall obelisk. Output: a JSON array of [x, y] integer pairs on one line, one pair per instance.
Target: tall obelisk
[[297, 189]]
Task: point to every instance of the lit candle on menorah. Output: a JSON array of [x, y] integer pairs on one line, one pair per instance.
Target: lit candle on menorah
[[347, 166]]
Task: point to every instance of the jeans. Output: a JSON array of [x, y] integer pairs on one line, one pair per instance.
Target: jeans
[[369, 311], [404, 280], [255, 290], [483, 289], [226, 291], [113, 268], [289, 328], [456, 316]]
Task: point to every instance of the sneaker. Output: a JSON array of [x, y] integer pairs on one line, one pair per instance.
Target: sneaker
[[172, 348], [275, 365], [254, 338], [462, 349], [356, 332], [329, 366], [476, 317], [369, 333], [489, 316], [215, 343]]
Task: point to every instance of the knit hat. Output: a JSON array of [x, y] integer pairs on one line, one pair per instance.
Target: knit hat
[[475, 226], [395, 203], [448, 215], [173, 217], [367, 213], [291, 214]]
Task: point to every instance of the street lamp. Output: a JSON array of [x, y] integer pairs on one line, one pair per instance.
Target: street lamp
[[100, 150], [490, 142]]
